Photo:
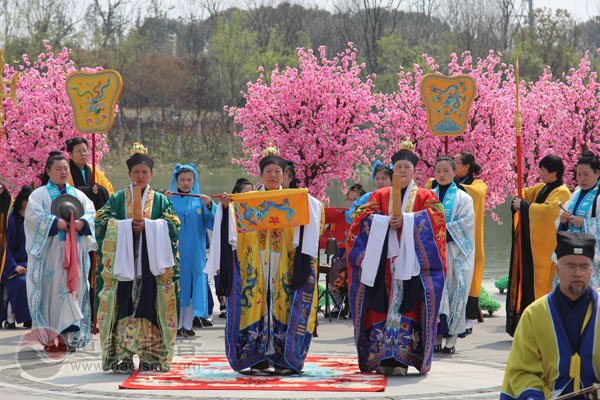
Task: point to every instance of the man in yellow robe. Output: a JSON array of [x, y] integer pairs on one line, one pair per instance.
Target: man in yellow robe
[[82, 175], [538, 209], [556, 350], [269, 280]]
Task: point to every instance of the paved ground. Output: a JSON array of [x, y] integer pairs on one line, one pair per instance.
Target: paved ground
[[475, 371]]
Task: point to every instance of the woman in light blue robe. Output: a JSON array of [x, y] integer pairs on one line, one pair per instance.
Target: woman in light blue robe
[[581, 213], [60, 309], [196, 216], [460, 255]]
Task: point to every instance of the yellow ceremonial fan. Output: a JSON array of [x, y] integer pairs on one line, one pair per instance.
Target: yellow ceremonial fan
[[274, 209], [448, 101], [93, 97]]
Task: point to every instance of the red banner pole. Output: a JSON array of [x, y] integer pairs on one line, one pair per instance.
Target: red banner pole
[[518, 124], [94, 259], [446, 145]]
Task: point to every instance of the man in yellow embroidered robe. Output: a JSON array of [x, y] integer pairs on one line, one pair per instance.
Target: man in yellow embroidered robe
[[269, 278]]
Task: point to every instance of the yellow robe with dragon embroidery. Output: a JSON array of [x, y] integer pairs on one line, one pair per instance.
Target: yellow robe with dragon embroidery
[[266, 319]]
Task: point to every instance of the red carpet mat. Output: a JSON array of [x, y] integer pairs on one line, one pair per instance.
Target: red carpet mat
[[214, 373]]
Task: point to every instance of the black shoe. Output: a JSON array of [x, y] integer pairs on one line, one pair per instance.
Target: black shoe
[[468, 331], [206, 322], [27, 324], [181, 332], [197, 323], [126, 366], [437, 348], [284, 371], [189, 332], [449, 350], [223, 314], [260, 368], [10, 325], [145, 367]]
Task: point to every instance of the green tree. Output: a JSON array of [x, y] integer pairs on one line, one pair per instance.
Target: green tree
[[552, 42]]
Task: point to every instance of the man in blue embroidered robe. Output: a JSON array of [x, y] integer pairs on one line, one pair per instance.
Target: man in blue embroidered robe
[[556, 350]]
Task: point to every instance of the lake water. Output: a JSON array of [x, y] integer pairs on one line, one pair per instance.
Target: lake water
[[214, 181]]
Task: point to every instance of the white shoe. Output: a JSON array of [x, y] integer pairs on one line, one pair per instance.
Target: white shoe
[[384, 370]]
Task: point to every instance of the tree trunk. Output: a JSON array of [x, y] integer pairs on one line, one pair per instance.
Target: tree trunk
[[199, 135]]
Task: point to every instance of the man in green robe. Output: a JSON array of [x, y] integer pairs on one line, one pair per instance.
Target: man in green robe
[[137, 277]]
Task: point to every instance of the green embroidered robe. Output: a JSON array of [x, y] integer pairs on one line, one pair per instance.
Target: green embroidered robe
[[122, 336]]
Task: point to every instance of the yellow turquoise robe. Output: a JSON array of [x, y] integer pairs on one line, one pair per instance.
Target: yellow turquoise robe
[[539, 360]]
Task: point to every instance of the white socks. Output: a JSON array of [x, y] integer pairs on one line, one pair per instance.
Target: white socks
[[470, 323], [186, 317]]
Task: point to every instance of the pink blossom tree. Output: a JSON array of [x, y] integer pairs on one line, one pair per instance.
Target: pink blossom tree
[[319, 116], [489, 135], [560, 117], [42, 121], [328, 121]]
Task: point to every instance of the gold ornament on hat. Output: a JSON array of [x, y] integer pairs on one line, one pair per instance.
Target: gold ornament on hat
[[271, 150], [407, 144], [138, 148]]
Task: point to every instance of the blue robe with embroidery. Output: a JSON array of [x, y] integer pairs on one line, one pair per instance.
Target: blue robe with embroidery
[[407, 336]]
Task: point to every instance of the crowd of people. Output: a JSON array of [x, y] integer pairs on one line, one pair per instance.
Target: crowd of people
[[134, 263]]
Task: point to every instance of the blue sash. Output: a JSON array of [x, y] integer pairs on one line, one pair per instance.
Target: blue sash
[[449, 199], [586, 345], [54, 192], [584, 206]]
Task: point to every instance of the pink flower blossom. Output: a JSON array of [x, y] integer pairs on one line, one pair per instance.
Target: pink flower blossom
[[319, 115], [42, 121]]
